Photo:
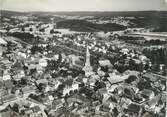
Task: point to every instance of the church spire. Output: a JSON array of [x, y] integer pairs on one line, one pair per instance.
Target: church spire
[[87, 68]]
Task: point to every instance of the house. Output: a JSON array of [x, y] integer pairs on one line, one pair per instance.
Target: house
[[47, 88], [1, 74], [51, 98], [39, 68], [100, 73], [125, 51], [68, 88], [102, 91], [150, 77], [92, 82], [105, 108], [134, 108], [36, 109], [104, 63], [147, 93], [2, 68], [43, 62], [8, 113], [56, 84], [9, 98], [1, 50], [143, 58], [124, 102], [57, 104], [18, 75], [8, 84], [28, 112], [96, 77], [163, 98], [137, 61], [28, 89], [79, 99], [117, 78], [151, 104], [41, 81], [22, 55], [147, 115], [7, 63], [76, 62], [69, 81], [2, 41], [45, 100], [112, 88], [17, 65], [6, 75], [3, 92]]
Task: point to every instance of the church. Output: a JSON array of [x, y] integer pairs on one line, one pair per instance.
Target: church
[[88, 68]]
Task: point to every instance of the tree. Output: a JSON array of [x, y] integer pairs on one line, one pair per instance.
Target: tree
[[42, 30], [15, 107], [23, 81], [61, 87], [60, 57], [41, 86], [99, 85], [51, 31], [31, 29], [131, 79], [22, 29], [7, 29]]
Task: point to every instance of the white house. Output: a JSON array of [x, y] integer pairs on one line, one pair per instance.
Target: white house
[[72, 88], [43, 62], [2, 41], [6, 76]]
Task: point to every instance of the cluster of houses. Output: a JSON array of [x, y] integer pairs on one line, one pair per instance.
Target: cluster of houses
[[77, 75]]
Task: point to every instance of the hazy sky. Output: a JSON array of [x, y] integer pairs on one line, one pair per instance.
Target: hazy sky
[[83, 5]]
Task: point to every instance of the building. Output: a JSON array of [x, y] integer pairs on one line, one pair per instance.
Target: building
[[2, 41], [87, 68], [76, 62], [28, 90], [8, 98], [165, 56]]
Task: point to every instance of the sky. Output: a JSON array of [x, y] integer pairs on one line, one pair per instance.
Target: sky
[[83, 5]]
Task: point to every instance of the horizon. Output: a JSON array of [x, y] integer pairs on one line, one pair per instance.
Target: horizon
[[82, 11], [83, 5]]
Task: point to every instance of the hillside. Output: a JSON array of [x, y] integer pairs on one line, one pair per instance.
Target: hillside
[[82, 25]]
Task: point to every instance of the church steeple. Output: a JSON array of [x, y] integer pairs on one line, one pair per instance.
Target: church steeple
[[87, 56], [87, 68]]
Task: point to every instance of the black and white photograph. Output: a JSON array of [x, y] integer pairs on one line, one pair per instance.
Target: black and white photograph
[[83, 58]]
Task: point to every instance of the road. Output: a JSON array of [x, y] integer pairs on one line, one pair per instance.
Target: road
[[150, 34], [10, 38]]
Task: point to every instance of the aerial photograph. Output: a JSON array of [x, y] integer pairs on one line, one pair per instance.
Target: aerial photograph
[[83, 58]]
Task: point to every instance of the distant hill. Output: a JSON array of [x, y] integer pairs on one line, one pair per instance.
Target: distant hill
[[96, 14], [143, 19], [12, 13]]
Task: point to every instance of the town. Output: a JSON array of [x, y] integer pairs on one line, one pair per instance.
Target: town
[[49, 70]]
